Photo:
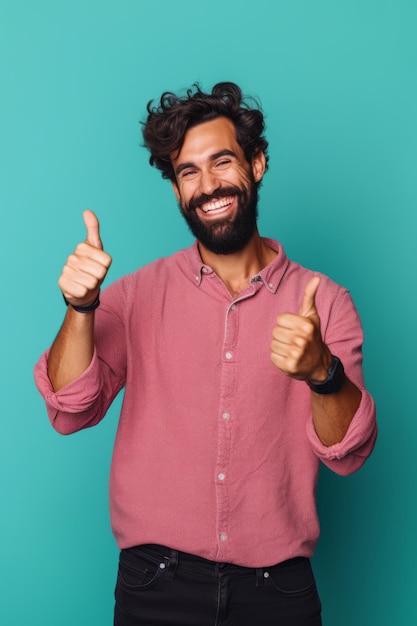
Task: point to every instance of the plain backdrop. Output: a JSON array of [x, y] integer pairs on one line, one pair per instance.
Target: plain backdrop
[[338, 85]]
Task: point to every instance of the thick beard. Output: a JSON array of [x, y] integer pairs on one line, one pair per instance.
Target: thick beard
[[225, 236]]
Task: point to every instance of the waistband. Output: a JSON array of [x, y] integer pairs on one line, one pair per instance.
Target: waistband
[[170, 560]]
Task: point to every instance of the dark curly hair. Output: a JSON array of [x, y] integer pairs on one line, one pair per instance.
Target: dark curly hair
[[168, 121]]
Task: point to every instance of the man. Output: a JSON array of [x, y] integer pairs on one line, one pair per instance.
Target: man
[[242, 371]]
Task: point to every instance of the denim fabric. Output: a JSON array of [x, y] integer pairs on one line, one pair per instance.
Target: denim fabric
[[159, 586]]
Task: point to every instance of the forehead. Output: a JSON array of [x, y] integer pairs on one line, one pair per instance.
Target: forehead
[[208, 138]]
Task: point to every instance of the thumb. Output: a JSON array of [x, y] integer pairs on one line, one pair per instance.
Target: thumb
[[93, 229], [308, 307]]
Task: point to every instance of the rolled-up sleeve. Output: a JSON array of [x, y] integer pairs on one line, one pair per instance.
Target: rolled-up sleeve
[[84, 402], [76, 405], [343, 334], [351, 453]]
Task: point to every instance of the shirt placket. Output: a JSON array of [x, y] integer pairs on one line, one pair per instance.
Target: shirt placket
[[226, 420]]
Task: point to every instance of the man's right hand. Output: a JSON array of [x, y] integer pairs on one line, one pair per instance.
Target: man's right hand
[[87, 267]]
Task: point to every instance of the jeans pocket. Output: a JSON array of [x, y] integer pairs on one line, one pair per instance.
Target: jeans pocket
[[294, 577], [136, 573]]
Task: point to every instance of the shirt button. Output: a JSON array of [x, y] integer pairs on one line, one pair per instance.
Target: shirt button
[[233, 307], [223, 537], [221, 476], [226, 416], [271, 285], [229, 355]]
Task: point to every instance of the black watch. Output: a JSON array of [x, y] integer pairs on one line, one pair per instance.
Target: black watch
[[334, 381]]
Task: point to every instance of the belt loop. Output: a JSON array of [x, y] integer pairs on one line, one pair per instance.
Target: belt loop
[[259, 577], [172, 565]]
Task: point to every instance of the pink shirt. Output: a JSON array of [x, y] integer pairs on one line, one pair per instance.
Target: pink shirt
[[216, 452]]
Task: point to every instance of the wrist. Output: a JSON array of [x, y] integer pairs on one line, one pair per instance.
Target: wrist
[[334, 380], [320, 373], [86, 308]]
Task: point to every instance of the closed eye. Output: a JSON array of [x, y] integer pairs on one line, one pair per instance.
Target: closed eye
[[187, 173], [223, 163]]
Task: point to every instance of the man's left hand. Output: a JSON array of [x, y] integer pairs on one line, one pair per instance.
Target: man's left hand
[[297, 348]]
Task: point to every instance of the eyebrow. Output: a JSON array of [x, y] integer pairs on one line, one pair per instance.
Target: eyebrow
[[213, 157]]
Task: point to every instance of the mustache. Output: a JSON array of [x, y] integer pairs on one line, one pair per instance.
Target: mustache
[[223, 192]]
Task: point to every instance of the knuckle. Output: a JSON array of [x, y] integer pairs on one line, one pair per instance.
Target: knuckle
[[72, 260], [81, 248], [66, 271], [294, 358], [309, 328], [102, 272], [90, 282], [82, 291], [302, 343], [274, 347]]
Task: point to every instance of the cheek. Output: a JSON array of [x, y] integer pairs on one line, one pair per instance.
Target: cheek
[[186, 190], [243, 175], [181, 194]]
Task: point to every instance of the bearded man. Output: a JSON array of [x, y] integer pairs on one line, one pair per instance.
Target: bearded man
[[241, 370]]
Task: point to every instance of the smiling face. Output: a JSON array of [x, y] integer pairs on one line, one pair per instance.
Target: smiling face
[[216, 187]]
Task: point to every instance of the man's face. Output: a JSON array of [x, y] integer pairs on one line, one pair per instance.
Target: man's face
[[216, 187]]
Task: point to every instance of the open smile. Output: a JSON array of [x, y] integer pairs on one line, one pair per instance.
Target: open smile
[[216, 207]]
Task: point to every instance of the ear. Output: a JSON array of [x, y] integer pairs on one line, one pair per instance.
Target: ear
[[258, 166], [176, 190]]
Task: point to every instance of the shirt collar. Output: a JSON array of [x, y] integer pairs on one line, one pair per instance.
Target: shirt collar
[[270, 276]]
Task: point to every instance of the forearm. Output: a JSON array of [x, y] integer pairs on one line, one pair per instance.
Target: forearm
[[72, 350], [333, 413]]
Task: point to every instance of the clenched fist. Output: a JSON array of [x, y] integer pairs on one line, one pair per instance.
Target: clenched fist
[[297, 348], [87, 267]]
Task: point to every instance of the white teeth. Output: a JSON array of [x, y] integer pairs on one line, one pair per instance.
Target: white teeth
[[217, 204]]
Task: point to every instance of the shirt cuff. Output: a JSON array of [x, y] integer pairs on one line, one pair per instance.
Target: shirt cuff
[[77, 396], [357, 443]]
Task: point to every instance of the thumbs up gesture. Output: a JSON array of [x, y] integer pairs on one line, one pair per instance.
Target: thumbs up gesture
[[297, 348], [87, 267]]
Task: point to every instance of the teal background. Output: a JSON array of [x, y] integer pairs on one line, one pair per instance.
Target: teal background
[[337, 82]]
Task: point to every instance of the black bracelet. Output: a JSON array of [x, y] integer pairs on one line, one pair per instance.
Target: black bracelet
[[84, 309], [334, 381]]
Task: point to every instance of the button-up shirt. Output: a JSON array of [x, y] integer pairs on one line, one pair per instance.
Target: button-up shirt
[[216, 452]]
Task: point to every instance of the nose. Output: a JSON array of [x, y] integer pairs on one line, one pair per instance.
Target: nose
[[208, 182]]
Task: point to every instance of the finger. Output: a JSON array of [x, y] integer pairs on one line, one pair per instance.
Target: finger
[[93, 229], [308, 307], [77, 284], [289, 322], [96, 263]]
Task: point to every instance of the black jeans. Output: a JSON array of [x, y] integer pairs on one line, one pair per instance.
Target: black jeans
[[159, 586]]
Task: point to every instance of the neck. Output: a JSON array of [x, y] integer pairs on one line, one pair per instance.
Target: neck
[[236, 270]]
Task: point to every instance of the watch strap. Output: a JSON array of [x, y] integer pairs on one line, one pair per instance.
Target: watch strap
[[84, 309], [334, 381]]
